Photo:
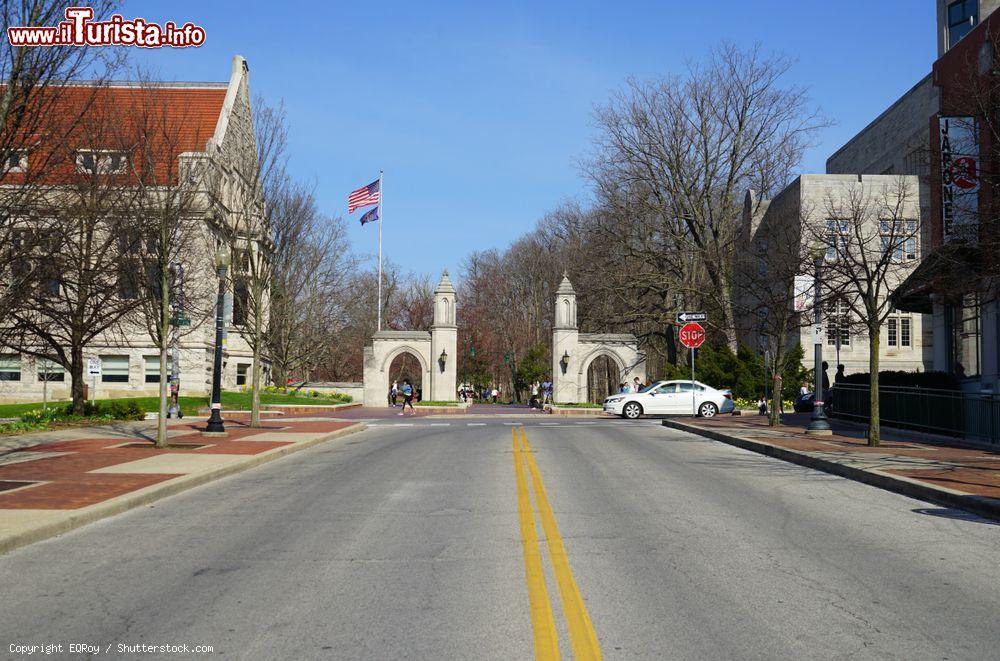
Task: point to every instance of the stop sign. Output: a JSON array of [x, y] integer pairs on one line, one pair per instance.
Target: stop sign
[[692, 335]]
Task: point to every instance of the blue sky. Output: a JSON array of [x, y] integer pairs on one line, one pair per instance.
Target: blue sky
[[479, 111]]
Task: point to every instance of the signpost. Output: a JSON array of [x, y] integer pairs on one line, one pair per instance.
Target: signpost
[[692, 336], [684, 317], [94, 370]]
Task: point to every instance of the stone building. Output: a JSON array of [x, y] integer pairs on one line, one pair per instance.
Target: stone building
[[217, 137], [961, 323], [801, 213]]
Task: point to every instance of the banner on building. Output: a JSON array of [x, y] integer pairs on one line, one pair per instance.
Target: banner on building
[[959, 177], [804, 294]]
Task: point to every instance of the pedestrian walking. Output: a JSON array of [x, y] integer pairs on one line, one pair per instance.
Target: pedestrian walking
[[407, 398], [636, 385], [393, 394]]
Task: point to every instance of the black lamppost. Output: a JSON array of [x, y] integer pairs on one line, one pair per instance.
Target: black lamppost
[[818, 423], [222, 260]]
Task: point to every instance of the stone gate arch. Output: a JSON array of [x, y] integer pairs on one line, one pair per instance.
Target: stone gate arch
[[573, 351], [435, 350]]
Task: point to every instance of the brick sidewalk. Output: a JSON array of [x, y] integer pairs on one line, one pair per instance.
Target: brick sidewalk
[[905, 463], [59, 483]]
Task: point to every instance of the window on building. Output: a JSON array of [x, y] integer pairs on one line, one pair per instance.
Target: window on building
[[10, 367], [49, 370], [16, 160], [126, 286], [904, 332], [963, 15], [892, 333], [838, 324], [101, 162], [966, 338], [836, 239], [114, 369], [899, 238], [152, 364], [241, 373], [241, 299]]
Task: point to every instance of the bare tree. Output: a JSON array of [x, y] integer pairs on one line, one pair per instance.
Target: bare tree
[[261, 186], [765, 294], [868, 230], [312, 265], [36, 115], [83, 227], [167, 219], [675, 156]]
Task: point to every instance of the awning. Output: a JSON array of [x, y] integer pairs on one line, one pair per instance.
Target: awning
[[950, 271]]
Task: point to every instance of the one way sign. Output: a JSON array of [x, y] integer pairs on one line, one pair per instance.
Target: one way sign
[[685, 317]]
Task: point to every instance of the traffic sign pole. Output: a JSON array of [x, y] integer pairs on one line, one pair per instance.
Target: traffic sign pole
[[692, 336], [694, 404]]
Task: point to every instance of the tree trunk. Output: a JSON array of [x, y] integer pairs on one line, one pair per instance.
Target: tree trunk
[[874, 426], [161, 423], [255, 386], [164, 327], [774, 419], [76, 379]]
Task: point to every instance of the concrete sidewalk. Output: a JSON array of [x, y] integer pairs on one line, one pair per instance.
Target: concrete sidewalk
[[914, 465], [52, 482]]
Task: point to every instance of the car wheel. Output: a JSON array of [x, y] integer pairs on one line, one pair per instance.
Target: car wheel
[[708, 410], [632, 410]]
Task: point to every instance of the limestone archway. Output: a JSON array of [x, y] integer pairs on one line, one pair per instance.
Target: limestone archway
[[584, 374], [573, 351], [435, 350]]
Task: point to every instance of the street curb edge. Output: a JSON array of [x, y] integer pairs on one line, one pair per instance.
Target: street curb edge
[[983, 506], [159, 491]]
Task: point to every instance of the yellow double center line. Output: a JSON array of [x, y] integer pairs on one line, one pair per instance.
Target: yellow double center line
[[583, 638]]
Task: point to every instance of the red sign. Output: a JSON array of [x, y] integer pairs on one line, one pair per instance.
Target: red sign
[[692, 335]]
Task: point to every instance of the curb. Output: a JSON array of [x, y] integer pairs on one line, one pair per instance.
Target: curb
[[981, 505], [156, 492]]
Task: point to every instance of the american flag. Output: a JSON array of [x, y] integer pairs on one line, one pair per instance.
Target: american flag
[[364, 196]]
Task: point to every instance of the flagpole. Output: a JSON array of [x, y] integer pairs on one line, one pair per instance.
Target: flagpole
[[380, 193]]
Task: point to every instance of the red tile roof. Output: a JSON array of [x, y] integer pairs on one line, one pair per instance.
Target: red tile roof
[[153, 124]]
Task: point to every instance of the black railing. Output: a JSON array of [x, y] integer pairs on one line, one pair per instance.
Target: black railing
[[974, 416]]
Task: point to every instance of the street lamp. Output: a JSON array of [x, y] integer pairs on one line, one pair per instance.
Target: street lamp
[[818, 423], [223, 257], [443, 359]]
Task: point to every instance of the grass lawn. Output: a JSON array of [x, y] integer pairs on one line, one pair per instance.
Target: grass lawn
[[431, 402], [237, 401], [580, 405]]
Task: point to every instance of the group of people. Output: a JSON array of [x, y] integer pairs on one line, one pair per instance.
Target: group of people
[[636, 386], [540, 389], [805, 389], [493, 394], [407, 391]]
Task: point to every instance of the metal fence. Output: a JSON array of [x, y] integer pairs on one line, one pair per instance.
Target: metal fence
[[974, 416]]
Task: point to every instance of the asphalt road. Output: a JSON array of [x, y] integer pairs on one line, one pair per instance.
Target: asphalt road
[[414, 542]]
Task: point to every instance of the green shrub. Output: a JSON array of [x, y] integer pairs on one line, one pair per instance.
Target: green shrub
[[125, 411]]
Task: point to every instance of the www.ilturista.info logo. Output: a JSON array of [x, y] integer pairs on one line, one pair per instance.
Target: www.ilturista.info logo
[[79, 29]]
